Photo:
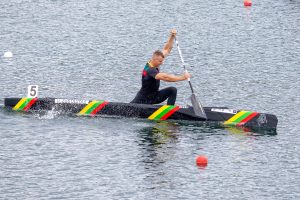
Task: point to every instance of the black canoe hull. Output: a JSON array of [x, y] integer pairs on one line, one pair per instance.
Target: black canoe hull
[[214, 114]]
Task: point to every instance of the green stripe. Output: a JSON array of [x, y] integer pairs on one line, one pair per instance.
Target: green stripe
[[242, 117], [93, 107], [164, 112], [25, 103]]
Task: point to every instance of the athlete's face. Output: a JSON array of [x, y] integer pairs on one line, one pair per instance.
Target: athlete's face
[[157, 60]]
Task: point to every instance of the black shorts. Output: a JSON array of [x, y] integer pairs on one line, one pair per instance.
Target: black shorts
[[169, 93]]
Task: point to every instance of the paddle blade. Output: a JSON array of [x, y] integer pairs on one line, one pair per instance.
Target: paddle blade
[[198, 109]]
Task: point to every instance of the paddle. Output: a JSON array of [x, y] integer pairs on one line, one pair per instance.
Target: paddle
[[198, 109]]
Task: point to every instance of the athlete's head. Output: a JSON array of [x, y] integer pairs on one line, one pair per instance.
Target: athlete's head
[[157, 58]]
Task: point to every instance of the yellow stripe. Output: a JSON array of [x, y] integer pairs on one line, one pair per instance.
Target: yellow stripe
[[235, 117], [17, 106], [82, 112], [157, 112]]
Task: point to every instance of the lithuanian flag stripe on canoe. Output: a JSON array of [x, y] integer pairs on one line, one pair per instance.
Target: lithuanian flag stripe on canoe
[[163, 112], [241, 118], [25, 104], [92, 108]]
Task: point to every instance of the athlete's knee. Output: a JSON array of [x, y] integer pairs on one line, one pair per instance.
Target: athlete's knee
[[173, 90]]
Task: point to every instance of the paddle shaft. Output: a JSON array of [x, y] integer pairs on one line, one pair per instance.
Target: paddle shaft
[[198, 109], [183, 63]]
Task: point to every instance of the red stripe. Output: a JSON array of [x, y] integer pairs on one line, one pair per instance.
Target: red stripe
[[98, 108], [166, 116], [244, 121], [30, 103]]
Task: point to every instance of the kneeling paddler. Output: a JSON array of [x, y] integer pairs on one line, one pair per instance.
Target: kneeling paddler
[[151, 77]]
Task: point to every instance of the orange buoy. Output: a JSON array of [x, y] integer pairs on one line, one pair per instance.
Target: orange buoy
[[201, 161], [247, 2]]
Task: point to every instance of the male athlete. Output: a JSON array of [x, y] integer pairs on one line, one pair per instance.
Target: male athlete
[[151, 76]]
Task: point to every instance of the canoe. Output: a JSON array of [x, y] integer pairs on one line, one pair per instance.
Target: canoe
[[95, 108]]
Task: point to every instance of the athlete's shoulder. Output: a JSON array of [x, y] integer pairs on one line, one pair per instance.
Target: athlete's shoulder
[[147, 66]]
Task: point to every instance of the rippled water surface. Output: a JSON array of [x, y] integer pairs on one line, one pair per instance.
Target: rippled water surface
[[243, 58]]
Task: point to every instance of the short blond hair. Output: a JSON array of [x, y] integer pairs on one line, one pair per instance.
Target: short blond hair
[[159, 53]]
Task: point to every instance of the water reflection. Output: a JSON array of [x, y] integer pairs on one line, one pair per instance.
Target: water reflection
[[159, 144], [159, 141], [216, 128], [161, 132], [249, 132]]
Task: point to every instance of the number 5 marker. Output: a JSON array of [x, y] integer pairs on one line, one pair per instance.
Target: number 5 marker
[[32, 91]]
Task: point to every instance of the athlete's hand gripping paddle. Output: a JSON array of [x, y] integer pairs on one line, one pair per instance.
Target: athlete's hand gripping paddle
[[198, 109]]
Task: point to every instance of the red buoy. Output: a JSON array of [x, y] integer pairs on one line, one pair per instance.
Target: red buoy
[[201, 161], [247, 2]]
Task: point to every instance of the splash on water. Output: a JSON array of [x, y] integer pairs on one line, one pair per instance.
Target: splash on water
[[49, 114]]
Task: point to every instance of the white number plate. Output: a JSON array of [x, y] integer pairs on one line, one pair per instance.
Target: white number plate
[[231, 111], [32, 91]]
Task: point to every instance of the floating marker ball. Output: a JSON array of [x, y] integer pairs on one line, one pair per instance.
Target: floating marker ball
[[201, 161], [8, 54], [247, 3]]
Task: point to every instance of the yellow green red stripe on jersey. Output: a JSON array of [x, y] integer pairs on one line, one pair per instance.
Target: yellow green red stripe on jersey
[[241, 118], [164, 112], [93, 108], [25, 104]]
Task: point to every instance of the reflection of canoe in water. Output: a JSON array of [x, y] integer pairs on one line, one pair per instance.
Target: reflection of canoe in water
[[222, 115]]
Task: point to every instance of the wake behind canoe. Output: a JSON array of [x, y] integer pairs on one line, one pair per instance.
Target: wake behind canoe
[[96, 108]]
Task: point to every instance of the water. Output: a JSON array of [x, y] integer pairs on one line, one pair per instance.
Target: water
[[241, 58]]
